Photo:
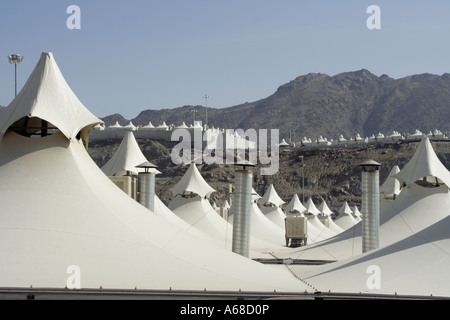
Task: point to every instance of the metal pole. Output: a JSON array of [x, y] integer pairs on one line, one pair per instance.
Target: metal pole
[[303, 183], [206, 109], [303, 178], [15, 77]]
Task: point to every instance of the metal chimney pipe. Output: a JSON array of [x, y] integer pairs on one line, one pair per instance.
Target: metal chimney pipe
[[147, 185], [241, 209], [370, 207]]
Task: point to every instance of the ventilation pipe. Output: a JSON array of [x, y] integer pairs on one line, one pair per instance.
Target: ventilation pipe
[[370, 207], [147, 185], [241, 208]]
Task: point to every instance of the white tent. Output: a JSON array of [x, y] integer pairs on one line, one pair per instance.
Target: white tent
[[323, 232], [163, 126], [416, 135], [325, 217], [115, 126], [345, 218], [126, 157], [271, 197], [45, 89], [182, 126], [283, 143], [192, 181], [270, 204], [311, 208], [148, 126], [324, 209], [424, 163], [226, 205], [75, 216], [130, 126], [294, 206], [391, 186], [356, 213]]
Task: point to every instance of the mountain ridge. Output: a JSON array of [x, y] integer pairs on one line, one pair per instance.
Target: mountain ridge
[[317, 104]]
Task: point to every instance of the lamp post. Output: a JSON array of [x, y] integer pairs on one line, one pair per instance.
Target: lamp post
[[206, 109], [194, 111], [15, 59], [303, 178]]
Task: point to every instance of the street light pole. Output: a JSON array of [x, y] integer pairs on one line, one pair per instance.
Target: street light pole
[[206, 109], [302, 164], [15, 59], [194, 111]]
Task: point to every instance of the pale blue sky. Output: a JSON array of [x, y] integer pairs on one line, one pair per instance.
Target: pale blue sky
[[134, 55]]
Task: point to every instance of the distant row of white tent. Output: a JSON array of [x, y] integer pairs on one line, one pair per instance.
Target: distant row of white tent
[[208, 135], [392, 137]]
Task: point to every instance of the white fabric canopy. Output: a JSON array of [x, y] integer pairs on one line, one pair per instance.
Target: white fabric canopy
[[311, 208], [192, 181], [391, 186], [46, 95], [294, 205], [423, 163], [126, 157], [271, 197], [324, 209], [345, 219]]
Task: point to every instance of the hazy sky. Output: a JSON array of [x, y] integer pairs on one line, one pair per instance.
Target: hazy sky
[[134, 55]]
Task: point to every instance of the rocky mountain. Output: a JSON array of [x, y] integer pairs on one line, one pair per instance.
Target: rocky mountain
[[317, 104]]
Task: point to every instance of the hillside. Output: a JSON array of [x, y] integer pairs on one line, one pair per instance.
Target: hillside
[[317, 104]]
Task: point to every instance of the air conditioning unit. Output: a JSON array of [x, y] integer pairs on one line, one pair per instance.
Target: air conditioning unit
[[296, 231], [127, 184]]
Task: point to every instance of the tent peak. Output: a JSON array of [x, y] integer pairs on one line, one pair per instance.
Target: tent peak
[[47, 98]]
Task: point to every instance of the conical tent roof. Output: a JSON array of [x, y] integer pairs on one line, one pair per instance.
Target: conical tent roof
[[126, 157], [356, 213], [391, 186], [271, 197], [226, 205], [295, 205], [345, 209], [424, 163], [47, 96], [311, 208], [192, 181], [324, 209]]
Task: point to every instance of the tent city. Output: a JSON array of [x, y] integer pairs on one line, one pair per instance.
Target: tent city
[[86, 231]]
